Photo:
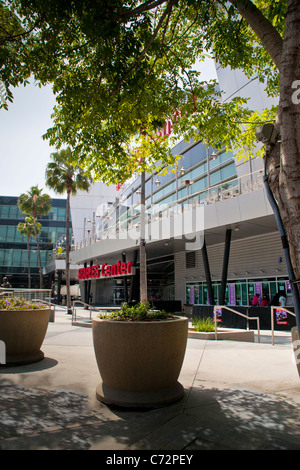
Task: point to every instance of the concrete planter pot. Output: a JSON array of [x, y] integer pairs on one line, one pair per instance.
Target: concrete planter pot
[[23, 333], [296, 347], [140, 362]]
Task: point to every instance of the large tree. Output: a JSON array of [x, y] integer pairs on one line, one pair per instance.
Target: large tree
[[63, 177], [119, 66], [35, 204]]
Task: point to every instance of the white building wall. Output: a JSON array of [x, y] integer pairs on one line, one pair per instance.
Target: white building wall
[[234, 83], [87, 205]]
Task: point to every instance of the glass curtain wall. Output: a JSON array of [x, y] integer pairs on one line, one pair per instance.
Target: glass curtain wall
[[13, 245], [238, 292], [201, 167]]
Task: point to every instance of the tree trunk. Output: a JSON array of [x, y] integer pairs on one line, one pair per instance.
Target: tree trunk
[[28, 254], [262, 27], [283, 165], [143, 261], [68, 252], [289, 120], [39, 254]]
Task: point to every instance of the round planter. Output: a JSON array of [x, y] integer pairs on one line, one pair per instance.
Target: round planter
[[296, 347], [23, 333], [139, 362]]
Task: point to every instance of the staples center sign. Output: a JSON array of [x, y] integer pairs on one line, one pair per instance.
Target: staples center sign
[[105, 270]]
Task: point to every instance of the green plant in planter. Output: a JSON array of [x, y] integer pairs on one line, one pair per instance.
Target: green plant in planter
[[18, 303], [206, 324], [59, 251], [139, 312]]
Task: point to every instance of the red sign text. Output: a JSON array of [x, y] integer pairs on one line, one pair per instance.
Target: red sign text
[[105, 270]]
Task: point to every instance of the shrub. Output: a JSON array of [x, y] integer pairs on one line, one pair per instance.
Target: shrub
[[139, 312], [18, 303], [203, 324]]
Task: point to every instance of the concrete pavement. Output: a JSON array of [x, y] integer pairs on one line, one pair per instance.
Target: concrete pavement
[[238, 395]]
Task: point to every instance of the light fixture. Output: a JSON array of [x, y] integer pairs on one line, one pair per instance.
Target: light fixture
[[181, 171], [214, 155], [138, 191], [157, 182], [236, 228], [268, 133], [187, 182]]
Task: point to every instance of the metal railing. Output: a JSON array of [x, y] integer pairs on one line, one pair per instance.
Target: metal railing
[[272, 319], [28, 294], [90, 308], [230, 188], [51, 304], [241, 315]]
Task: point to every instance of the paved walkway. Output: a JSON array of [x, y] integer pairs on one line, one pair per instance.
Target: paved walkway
[[237, 396]]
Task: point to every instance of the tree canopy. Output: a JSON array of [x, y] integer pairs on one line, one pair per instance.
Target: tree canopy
[[120, 69]]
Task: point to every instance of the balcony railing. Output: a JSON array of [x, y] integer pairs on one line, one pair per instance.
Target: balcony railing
[[212, 195]]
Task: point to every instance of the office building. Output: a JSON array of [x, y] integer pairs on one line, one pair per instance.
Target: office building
[[13, 245], [236, 251]]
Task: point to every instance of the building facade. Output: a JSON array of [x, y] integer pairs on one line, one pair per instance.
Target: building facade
[[13, 245], [211, 235]]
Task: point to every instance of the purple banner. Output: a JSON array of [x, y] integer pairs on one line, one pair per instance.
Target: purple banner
[[258, 290], [231, 294], [192, 294]]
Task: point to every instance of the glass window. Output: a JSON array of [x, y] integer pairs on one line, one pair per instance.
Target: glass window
[[164, 191], [222, 173], [17, 257], [3, 229], [228, 171], [4, 211], [11, 230], [198, 185], [53, 214], [61, 213], [8, 257]]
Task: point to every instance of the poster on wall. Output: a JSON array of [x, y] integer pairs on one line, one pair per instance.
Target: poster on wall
[[281, 316], [218, 314], [192, 295], [231, 294], [258, 290]]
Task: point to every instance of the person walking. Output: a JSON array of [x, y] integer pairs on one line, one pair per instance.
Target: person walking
[[255, 300], [282, 300], [6, 284], [275, 300], [265, 301]]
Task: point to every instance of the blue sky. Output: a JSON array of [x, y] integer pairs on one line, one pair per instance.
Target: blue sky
[[24, 154]]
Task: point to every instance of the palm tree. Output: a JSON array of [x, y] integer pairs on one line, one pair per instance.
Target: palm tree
[[27, 230], [36, 204], [61, 176]]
